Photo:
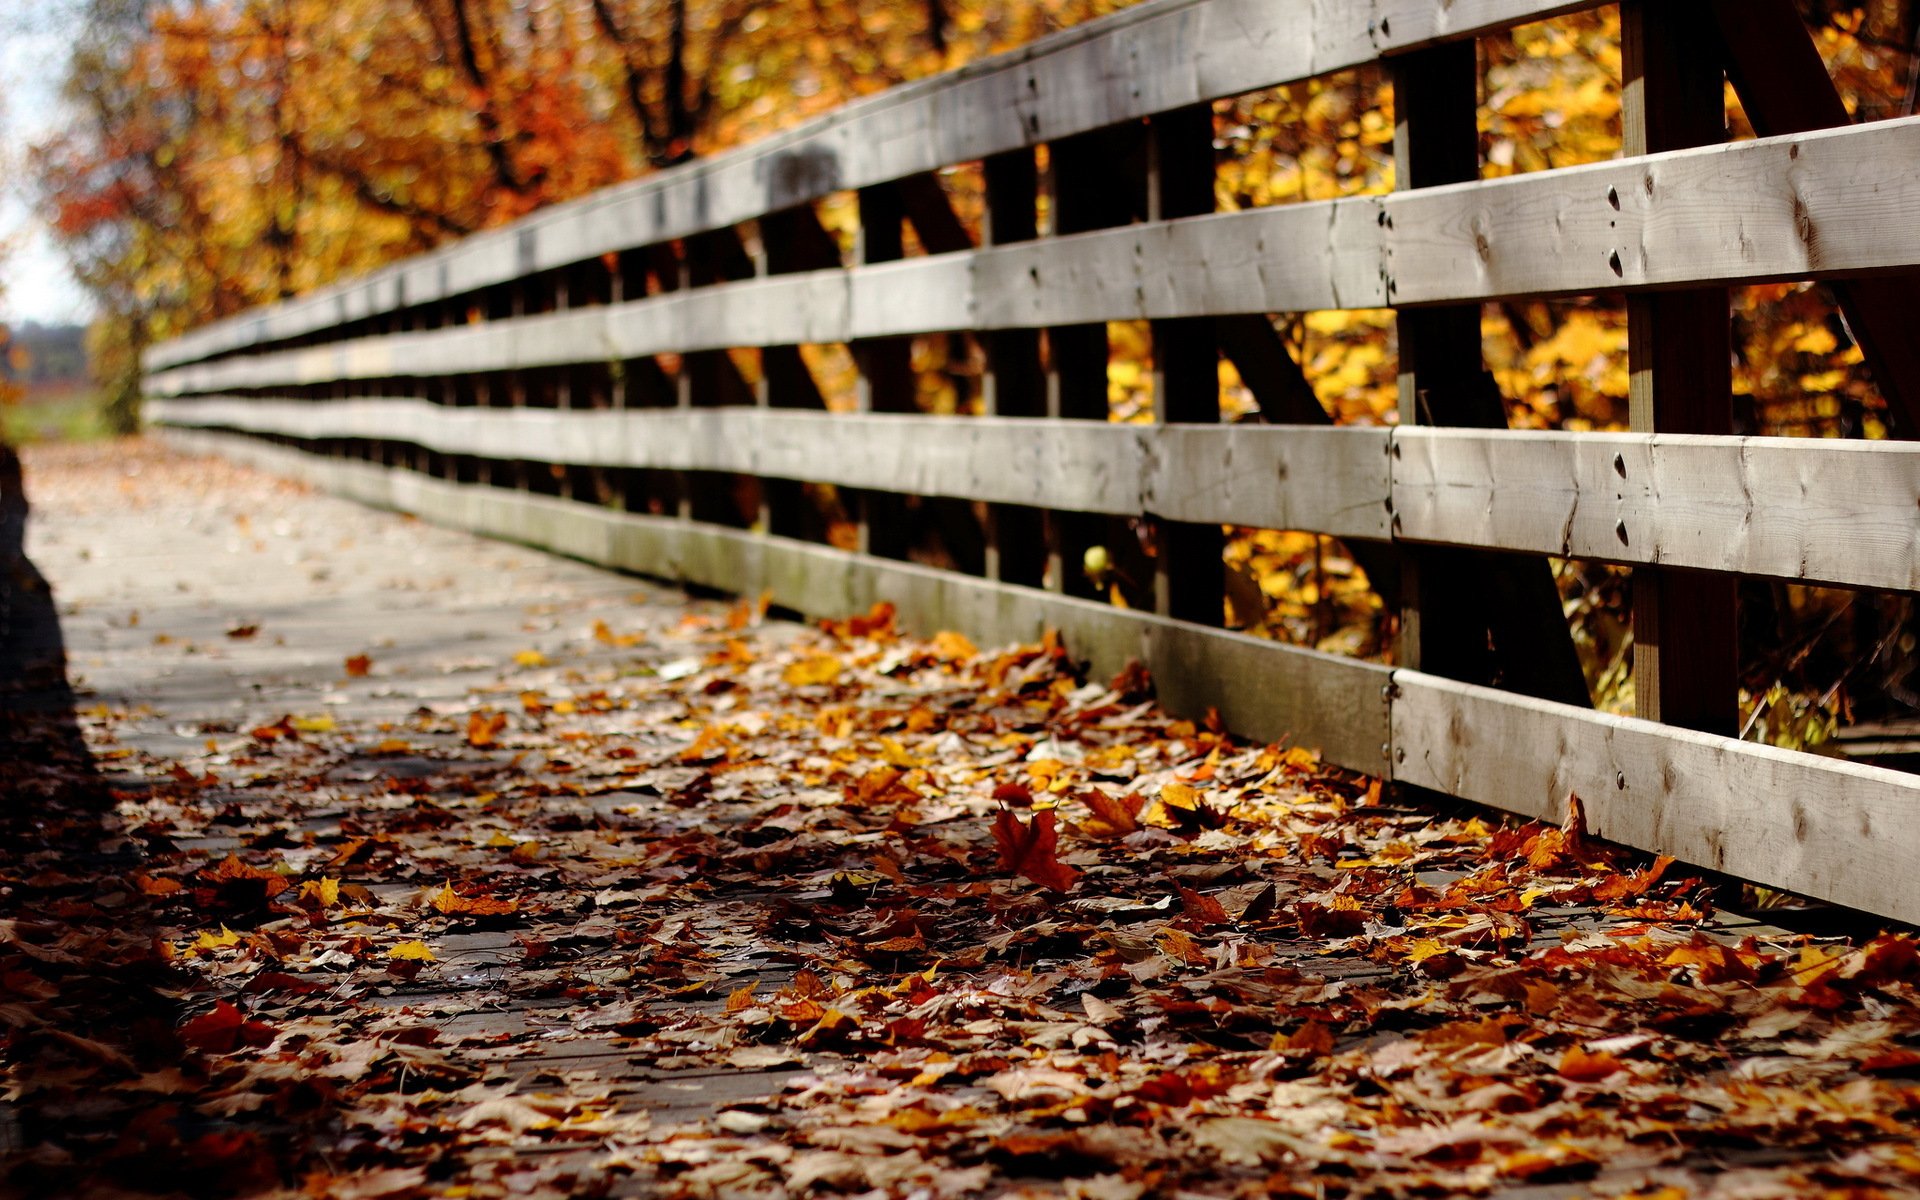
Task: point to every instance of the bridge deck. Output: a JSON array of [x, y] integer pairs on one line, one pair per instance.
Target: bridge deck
[[577, 883]]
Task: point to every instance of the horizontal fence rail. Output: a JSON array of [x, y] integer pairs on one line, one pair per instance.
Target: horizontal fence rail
[[1791, 508], [477, 369], [1803, 206]]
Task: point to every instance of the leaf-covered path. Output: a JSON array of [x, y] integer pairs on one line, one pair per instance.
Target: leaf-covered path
[[400, 864]]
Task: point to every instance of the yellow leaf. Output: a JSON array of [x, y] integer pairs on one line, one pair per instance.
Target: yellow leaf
[[208, 942], [414, 951], [814, 669], [320, 724], [1818, 340], [530, 658], [322, 892], [952, 646]]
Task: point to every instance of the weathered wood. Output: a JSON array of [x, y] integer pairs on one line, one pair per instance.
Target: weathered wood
[[1189, 574], [1331, 480], [1171, 53], [1792, 508], [1811, 510], [1818, 826], [1260, 687], [1469, 615], [1804, 206], [1013, 383], [1686, 667], [1808, 206]]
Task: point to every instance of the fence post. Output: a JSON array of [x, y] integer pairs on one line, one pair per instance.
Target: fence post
[[1189, 571], [708, 378], [1014, 383], [1470, 615], [791, 240], [1091, 184], [1686, 666], [886, 382]]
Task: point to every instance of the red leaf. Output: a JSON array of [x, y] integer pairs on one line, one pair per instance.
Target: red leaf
[[1030, 848], [224, 1030]]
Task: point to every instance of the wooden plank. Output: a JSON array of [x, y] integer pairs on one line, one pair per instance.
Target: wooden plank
[[1262, 688], [1189, 574], [1484, 618], [1825, 828], [1332, 480], [1816, 510], [1804, 206], [1686, 656], [1811, 510], [1157, 56]]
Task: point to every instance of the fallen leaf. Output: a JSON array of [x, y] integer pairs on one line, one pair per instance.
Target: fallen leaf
[[1029, 848]]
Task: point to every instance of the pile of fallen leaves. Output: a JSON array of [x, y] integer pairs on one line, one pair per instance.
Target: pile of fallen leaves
[[713, 907]]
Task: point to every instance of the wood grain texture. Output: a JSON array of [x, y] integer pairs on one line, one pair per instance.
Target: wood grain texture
[[1833, 830], [1792, 508], [1261, 688], [1814, 510], [1160, 55], [1802, 206], [1331, 480], [1686, 654]]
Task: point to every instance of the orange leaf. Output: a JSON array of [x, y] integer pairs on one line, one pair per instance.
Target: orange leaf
[[484, 726], [454, 904], [1111, 818], [1030, 848], [358, 665], [1580, 1066]]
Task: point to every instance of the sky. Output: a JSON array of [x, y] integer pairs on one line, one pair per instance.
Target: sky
[[34, 35]]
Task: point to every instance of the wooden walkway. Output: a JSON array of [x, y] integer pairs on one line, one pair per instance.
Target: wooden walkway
[[480, 872]]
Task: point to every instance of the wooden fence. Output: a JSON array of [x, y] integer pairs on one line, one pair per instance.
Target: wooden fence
[[565, 382]]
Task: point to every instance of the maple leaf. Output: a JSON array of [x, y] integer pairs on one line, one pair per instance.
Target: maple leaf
[[484, 726], [1112, 818], [224, 1030], [448, 901], [1029, 848], [413, 951], [358, 666]]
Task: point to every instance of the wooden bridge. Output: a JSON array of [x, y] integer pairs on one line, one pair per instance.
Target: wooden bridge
[[565, 382]]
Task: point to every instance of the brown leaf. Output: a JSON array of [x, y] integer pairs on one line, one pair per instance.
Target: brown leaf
[[1029, 848], [358, 665]]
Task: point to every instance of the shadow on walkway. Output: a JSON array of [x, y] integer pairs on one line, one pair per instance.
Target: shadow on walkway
[[88, 1003]]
